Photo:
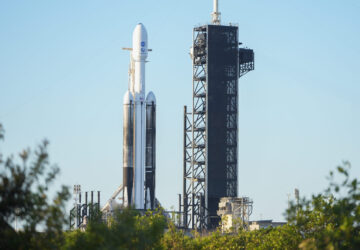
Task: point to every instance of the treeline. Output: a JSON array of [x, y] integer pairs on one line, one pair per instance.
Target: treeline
[[330, 220]]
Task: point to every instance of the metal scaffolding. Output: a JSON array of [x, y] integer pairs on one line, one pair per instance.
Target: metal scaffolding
[[210, 128], [235, 212], [195, 139]]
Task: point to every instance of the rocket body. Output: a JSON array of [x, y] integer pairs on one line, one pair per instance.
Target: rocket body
[[150, 151], [142, 195], [128, 147]]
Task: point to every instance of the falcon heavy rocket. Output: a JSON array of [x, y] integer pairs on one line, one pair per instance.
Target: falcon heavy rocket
[[139, 130]]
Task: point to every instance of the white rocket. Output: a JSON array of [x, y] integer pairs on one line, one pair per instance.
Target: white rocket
[[139, 130]]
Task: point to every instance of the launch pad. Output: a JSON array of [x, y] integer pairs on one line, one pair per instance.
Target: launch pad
[[210, 135]]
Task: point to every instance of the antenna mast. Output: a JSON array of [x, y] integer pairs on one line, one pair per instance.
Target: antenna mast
[[216, 14]]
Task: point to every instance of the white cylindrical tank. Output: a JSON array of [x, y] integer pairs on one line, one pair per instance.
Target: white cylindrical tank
[[139, 140], [139, 55]]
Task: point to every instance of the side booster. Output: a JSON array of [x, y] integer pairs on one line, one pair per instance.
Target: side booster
[[139, 130]]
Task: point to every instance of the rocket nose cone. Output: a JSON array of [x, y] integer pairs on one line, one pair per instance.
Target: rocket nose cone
[[151, 98], [128, 97], [141, 27], [140, 42]]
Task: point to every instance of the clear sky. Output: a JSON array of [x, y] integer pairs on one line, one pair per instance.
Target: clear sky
[[63, 76]]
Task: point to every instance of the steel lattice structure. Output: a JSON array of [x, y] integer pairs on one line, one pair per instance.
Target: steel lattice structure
[[210, 128], [195, 139]]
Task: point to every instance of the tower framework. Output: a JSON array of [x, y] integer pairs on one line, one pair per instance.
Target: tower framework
[[211, 126]]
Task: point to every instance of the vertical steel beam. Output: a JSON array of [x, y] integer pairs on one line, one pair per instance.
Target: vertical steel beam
[[185, 204]]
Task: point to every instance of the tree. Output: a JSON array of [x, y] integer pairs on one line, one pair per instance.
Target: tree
[[331, 219], [128, 229], [24, 190]]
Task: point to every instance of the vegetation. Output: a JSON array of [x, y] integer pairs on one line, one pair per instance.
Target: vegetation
[[330, 220], [24, 197], [127, 230]]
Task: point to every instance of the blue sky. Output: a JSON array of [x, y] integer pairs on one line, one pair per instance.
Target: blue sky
[[63, 76]]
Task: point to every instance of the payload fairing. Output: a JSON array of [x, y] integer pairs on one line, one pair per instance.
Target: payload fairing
[[139, 130]]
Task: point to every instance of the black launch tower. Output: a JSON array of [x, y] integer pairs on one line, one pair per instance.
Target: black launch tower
[[211, 126]]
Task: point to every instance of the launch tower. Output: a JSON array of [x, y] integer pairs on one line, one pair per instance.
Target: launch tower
[[210, 168]]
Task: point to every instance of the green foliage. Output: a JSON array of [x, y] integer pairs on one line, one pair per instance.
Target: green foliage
[[330, 220], [176, 239], [285, 237], [24, 196], [127, 230]]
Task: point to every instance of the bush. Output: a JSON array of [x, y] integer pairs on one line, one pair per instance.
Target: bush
[[126, 230], [24, 196]]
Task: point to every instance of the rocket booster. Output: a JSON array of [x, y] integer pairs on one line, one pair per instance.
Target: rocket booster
[[150, 151], [128, 147], [139, 130]]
